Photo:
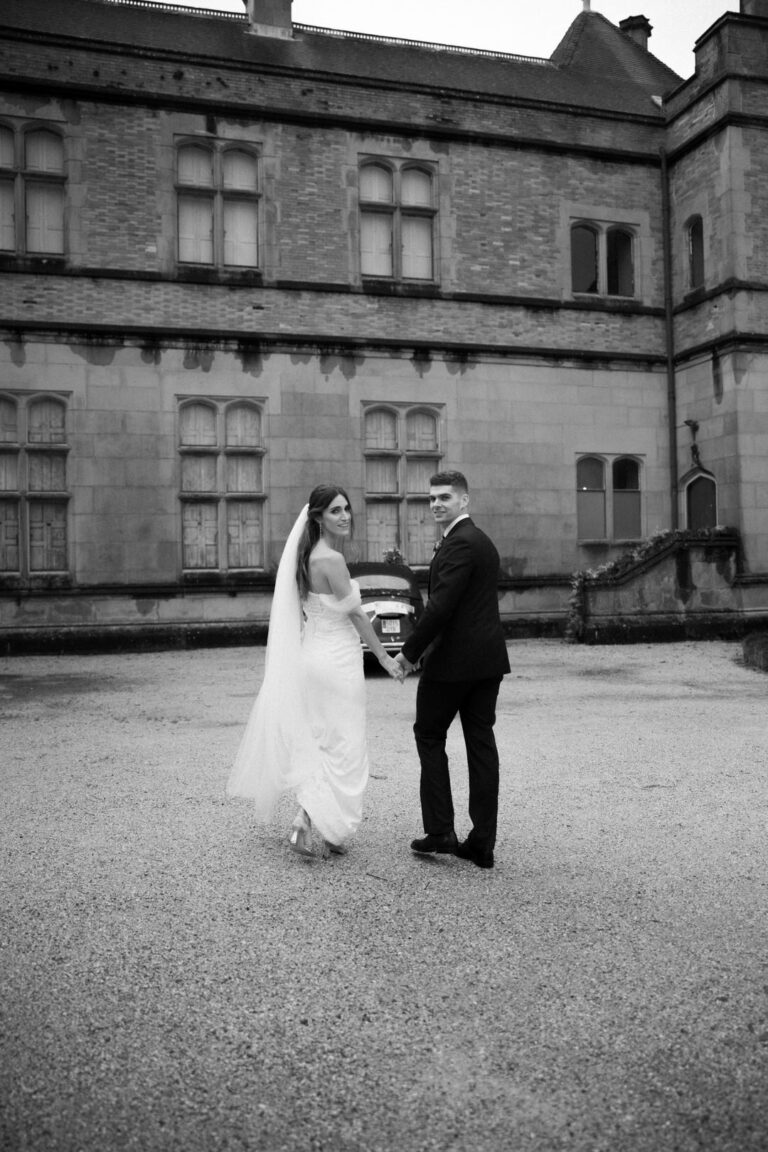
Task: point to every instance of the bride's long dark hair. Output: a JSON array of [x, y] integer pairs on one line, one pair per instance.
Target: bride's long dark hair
[[319, 499]]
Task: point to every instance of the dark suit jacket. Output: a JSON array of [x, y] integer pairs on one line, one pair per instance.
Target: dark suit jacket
[[461, 620]]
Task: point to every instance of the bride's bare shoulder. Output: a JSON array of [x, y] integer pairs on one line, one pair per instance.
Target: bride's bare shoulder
[[325, 557], [325, 566]]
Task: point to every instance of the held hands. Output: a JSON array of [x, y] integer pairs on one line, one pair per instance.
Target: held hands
[[404, 664], [392, 667]]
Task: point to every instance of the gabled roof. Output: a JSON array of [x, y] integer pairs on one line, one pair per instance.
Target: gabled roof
[[592, 51], [597, 51]]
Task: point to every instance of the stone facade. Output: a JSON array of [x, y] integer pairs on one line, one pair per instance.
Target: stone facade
[[164, 417]]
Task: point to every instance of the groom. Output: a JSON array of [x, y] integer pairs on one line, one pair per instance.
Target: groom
[[466, 658]]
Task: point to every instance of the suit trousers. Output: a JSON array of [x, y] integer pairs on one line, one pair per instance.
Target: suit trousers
[[437, 702]]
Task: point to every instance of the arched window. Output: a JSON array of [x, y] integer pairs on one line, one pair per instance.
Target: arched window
[[621, 274], [195, 204], [376, 185], [197, 425], [44, 192], [397, 216], [7, 190], [421, 431], [240, 186], [32, 185], [243, 426], [46, 422], [602, 259], [416, 223], [402, 451], [695, 235], [33, 486], [600, 504], [47, 484], [584, 259], [590, 498], [376, 224], [626, 499], [222, 485], [243, 468], [217, 205], [701, 503]]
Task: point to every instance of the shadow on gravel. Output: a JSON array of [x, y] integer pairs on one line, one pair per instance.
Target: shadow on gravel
[[22, 687]]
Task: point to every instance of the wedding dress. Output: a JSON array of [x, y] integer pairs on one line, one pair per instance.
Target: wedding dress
[[334, 684], [306, 731]]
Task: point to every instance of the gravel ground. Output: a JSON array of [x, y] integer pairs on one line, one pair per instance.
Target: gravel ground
[[173, 977]]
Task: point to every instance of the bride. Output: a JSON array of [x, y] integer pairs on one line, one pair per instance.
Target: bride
[[306, 732]]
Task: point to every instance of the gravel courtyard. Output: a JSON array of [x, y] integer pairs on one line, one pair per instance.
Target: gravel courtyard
[[172, 977]]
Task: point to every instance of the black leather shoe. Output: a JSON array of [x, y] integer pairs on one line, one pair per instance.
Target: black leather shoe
[[445, 842], [483, 857]]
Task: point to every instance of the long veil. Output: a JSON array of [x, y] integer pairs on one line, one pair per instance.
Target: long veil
[[275, 752]]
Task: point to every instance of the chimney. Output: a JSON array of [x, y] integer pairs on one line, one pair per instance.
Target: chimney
[[638, 28], [754, 8], [270, 18]]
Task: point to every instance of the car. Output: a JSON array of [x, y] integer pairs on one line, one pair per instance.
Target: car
[[391, 600]]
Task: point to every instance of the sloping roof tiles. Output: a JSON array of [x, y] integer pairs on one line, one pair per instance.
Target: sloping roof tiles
[[592, 50]]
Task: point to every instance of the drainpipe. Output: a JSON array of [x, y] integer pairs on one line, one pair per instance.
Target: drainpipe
[[670, 341]]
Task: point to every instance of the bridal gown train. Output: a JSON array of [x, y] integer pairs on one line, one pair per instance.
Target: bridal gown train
[[306, 732]]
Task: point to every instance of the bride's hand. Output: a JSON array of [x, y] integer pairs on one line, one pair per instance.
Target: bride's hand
[[392, 667]]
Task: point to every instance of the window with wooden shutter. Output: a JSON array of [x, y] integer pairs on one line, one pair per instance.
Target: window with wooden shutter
[[381, 429], [198, 425], [34, 493], [9, 471], [10, 555], [9, 421], [47, 536], [401, 453], [382, 528], [7, 149], [200, 526], [244, 534], [10, 495], [221, 485], [47, 475], [382, 459]]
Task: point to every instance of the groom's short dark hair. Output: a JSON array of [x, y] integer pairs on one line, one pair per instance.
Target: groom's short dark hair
[[453, 479]]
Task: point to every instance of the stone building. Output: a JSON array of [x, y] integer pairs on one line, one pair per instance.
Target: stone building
[[240, 256]]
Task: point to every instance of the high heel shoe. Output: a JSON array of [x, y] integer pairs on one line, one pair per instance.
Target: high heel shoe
[[300, 838], [336, 849]]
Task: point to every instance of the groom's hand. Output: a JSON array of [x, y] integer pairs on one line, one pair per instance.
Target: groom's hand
[[404, 663]]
